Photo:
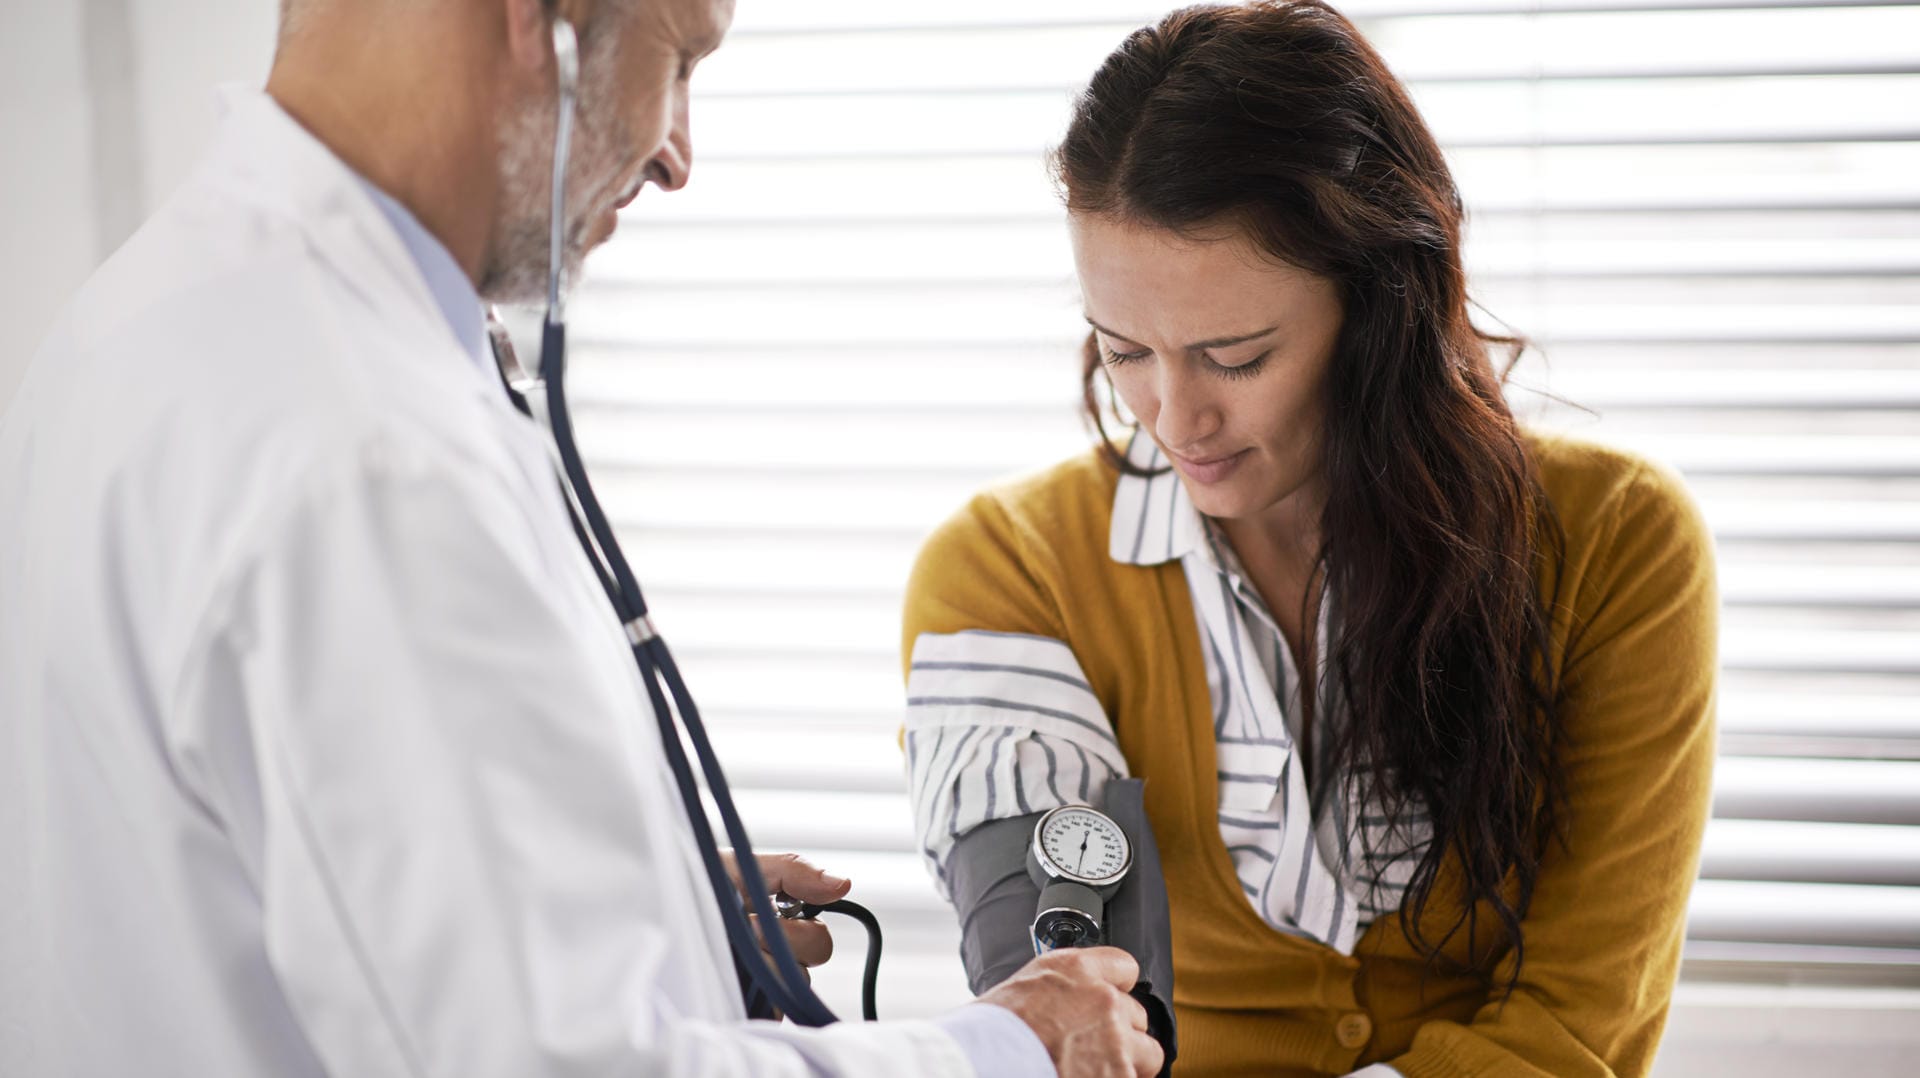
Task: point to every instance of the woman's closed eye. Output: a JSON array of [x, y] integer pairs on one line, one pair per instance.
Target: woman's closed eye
[[1246, 369]]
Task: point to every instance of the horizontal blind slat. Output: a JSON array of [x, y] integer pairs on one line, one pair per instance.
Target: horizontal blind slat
[[1812, 853], [1835, 791], [1805, 913], [1519, 47], [875, 16], [1692, 112]]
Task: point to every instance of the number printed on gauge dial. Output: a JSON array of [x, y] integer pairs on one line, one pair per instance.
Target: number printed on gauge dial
[[1084, 845]]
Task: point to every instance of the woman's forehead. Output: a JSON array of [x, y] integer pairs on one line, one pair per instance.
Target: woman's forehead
[[1140, 278]]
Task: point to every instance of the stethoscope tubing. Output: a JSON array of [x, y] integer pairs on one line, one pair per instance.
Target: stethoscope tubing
[[785, 985]]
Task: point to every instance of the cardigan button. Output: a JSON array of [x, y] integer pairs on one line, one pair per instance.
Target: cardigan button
[[1353, 1030]]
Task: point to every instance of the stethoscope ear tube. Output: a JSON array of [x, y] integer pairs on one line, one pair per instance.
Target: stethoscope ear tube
[[784, 985], [566, 64]]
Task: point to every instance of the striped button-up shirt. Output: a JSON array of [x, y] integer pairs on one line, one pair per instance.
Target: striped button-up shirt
[[1003, 724]]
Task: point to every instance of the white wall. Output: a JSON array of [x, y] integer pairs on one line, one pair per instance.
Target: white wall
[[186, 49], [46, 218], [104, 106]]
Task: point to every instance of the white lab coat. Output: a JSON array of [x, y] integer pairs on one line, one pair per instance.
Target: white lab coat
[[320, 750]]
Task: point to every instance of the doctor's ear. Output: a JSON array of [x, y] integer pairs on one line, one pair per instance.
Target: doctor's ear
[[529, 25]]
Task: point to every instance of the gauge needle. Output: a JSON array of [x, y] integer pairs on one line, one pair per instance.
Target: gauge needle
[[1084, 839]]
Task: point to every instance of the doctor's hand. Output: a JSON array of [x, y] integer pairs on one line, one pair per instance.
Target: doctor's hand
[[811, 942], [1077, 1002]]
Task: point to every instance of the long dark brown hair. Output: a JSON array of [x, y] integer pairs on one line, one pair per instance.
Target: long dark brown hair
[[1278, 118]]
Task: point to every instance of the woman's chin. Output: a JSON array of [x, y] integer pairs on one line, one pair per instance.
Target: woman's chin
[[1219, 501]]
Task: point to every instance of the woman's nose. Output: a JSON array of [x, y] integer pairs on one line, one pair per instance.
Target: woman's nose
[[1187, 416]]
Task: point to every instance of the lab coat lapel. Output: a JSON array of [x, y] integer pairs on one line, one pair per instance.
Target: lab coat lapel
[[266, 159]]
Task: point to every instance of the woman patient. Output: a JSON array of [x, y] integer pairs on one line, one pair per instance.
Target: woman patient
[[1423, 699]]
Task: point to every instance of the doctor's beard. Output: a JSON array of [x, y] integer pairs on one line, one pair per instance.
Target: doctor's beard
[[515, 271]]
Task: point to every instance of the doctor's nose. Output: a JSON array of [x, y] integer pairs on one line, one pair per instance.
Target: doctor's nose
[[673, 165]]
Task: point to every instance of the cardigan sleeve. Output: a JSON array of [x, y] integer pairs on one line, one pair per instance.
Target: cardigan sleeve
[[1000, 718], [977, 571], [1604, 930]]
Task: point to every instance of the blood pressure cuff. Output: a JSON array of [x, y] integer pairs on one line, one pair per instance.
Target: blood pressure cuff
[[997, 900]]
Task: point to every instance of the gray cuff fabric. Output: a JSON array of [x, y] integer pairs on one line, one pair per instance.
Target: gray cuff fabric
[[996, 900], [1138, 920], [987, 873]]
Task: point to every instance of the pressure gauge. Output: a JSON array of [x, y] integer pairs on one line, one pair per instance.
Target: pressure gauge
[[1078, 859], [1081, 844]]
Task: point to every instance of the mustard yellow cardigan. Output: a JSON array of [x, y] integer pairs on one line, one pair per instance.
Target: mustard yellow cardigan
[[1634, 635]]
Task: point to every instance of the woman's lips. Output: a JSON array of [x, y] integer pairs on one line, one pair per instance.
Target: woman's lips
[[1209, 471]]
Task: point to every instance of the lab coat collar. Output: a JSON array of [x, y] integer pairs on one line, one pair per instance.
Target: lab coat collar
[[265, 158]]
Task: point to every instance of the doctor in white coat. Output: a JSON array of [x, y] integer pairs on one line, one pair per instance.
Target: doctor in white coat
[[320, 749]]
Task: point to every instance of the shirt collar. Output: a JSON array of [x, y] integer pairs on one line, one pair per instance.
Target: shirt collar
[[1154, 521], [452, 291]]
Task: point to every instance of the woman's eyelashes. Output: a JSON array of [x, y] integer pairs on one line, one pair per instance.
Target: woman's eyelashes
[[1243, 370], [1248, 369]]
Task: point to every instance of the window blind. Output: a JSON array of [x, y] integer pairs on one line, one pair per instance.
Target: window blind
[[1705, 212]]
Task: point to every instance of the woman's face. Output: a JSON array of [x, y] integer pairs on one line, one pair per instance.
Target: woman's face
[[1221, 353]]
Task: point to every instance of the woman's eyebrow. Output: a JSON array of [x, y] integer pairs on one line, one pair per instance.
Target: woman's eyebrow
[[1217, 342]]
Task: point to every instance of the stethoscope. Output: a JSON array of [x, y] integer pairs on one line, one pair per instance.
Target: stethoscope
[[783, 987]]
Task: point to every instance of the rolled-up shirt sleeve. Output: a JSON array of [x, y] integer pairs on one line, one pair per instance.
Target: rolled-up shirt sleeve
[[1001, 720], [999, 725]]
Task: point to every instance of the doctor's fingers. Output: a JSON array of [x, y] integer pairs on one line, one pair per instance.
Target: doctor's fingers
[[1147, 1055], [797, 877], [792, 874], [812, 942]]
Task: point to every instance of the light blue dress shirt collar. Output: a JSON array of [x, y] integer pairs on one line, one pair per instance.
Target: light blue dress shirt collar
[[452, 292]]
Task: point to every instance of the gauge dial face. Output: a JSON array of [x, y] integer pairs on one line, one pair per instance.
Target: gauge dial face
[[1084, 845]]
